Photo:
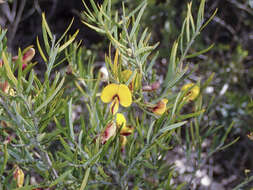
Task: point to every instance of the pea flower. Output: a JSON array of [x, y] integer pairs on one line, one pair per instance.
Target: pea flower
[[27, 57], [117, 94], [193, 91], [160, 107], [18, 175], [111, 128], [5, 87], [121, 122], [110, 131]]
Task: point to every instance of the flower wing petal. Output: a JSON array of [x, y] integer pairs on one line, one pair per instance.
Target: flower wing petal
[[125, 96], [109, 92]]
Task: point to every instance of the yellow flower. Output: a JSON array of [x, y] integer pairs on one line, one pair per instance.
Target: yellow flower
[[135, 83], [18, 175], [117, 94], [121, 122], [160, 107], [111, 128], [193, 91]]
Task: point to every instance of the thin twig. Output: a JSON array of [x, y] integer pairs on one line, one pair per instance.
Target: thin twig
[[245, 182], [16, 22]]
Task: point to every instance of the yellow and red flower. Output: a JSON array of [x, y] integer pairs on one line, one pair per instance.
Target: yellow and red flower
[[111, 129], [18, 175], [160, 107], [117, 94], [192, 91]]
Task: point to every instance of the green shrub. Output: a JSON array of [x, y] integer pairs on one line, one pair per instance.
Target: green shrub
[[104, 128]]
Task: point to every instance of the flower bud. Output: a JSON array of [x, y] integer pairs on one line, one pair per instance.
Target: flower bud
[[193, 91], [104, 74], [18, 175], [28, 55], [109, 132]]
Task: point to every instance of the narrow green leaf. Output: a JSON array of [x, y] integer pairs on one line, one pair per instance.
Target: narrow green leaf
[[173, 126], [8, 70], [45, 38], [66, 44], [200, 13], [40, 50], [136, 9], [206, 23], [49, 99], [3, 33], [66, 147], [64, 34], [172, 65], [145, 49], [69, 119], [52, 57], [94, 6], [89, 12], [150, 131], [85, 179], [226, 133], [190, 115], [19, 62], [60, 178], [200, 52], [229, 144], [136, 23], [188, 26], [44, 21]]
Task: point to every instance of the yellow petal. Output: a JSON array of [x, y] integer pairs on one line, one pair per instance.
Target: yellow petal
[[160, 107], [114, 105], [109, 92], [120, 120], [125, 96]]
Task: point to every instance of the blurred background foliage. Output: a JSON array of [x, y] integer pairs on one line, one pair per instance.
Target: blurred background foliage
[[231, 58]]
